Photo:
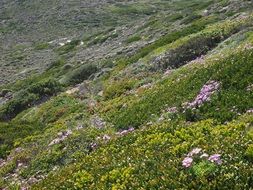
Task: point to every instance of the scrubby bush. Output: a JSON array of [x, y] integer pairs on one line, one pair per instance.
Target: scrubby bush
[[234, 73], [118, 88], [169, 38], [27, 97], [80, 74], [68, 47], [154, 160], [41, 46], [133, 39], [249, 153], [194, 46]]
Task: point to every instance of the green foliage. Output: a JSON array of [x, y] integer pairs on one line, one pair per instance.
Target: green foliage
[[41, 46], [191, 18], [154, 160], [56, 64], [81, 179], [26, 98], [234, 73], [80, 74], [133, 39], [68, 47], [249, 153], [169, 38], [118, 88], [175, 17], [203, 169], [103, 37]]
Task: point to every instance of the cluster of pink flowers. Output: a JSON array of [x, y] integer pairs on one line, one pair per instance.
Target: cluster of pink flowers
[[195, 151], [215, 158], [188, 160], [205, 93]]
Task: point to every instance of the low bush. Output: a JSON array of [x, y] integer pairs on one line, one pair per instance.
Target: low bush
[[234, 73], [118, 88], [80, 74], [68, 47], [154, 160], [133, 39], [169, 38], [41, 46], [29, 96]]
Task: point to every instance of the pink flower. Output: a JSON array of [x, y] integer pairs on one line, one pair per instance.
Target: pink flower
[[205, 93], [131, 129], [215, 158], [187, 162]]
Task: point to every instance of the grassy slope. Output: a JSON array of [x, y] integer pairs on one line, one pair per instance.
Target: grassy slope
[[151, 156]]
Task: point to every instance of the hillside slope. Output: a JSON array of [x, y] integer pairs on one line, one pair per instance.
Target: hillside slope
[[126, 95]]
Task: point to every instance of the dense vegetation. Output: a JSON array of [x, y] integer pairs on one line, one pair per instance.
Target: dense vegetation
[[151, 95]]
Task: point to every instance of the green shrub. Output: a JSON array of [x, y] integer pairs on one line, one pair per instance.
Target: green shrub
[[41, 46], [80, 74], [191, 18], [154, 160], [29, 96], [118, 88], [203, 168], [133, 39], [249, 153], [68, 47], [169, 38]]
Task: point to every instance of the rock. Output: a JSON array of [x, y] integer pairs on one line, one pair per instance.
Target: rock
[[61, 137], [2, 162], [101, 93], [125, 132], [4, 92], [106, 137], [98, 122], [205, 13], [72, 91], [32, 180], [79, 127]]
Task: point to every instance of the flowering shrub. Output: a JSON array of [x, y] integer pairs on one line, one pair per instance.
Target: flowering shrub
[[195, 153], [187, 162], [156, 159], [205, 94]]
